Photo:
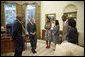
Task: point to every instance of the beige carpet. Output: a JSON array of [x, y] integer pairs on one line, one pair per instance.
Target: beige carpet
[[41, 50]]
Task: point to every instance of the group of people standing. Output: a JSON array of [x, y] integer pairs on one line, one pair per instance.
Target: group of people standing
[[71, 34], [49, 33], [17, 29]]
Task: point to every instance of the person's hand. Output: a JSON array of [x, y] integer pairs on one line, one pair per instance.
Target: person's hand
[[65, 41], [33, 33], [23, 35]]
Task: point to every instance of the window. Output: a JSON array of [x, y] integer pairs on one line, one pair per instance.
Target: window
[[30, 12], [10, 16], [10, 13]]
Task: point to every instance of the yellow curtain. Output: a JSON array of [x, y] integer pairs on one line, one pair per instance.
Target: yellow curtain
[[2, 15]]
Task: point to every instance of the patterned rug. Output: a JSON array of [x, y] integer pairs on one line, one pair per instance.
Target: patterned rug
[[41, 50]]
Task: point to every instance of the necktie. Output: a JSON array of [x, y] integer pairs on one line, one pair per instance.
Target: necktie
[[32, 25]]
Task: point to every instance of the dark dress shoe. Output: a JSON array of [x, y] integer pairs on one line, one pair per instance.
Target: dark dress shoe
[[35, 52], [46, 46]]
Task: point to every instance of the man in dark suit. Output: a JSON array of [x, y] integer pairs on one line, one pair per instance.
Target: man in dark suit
[[17, 36], [31, 28]]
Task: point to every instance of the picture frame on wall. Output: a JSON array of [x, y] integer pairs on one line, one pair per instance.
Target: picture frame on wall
[[52, 17], [71, 15]]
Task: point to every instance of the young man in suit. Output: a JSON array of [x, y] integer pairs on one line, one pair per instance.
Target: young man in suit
[[31, 28]]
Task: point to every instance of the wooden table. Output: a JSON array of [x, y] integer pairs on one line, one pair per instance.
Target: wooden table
[[7, 43]]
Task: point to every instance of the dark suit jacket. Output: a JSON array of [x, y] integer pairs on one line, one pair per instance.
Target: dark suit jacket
[[31, 28], [72, 36], [16, 29]]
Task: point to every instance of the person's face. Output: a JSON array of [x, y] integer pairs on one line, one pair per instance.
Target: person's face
[[47, 20], [20, 18], [64, 19], [32, 20], [55, 22]]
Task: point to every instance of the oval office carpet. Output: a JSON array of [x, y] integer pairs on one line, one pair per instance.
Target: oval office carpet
[[41, 50]]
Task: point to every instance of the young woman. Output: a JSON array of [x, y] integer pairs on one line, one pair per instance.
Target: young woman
[[48, 33], [55, 33]]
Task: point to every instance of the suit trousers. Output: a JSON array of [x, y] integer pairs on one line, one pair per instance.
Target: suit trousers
[[33, 42], [18, 46]]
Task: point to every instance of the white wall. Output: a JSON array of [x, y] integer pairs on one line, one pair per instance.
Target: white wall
[[48, 7]]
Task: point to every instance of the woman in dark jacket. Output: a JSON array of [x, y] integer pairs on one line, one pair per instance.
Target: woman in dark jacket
[[72, 34]]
